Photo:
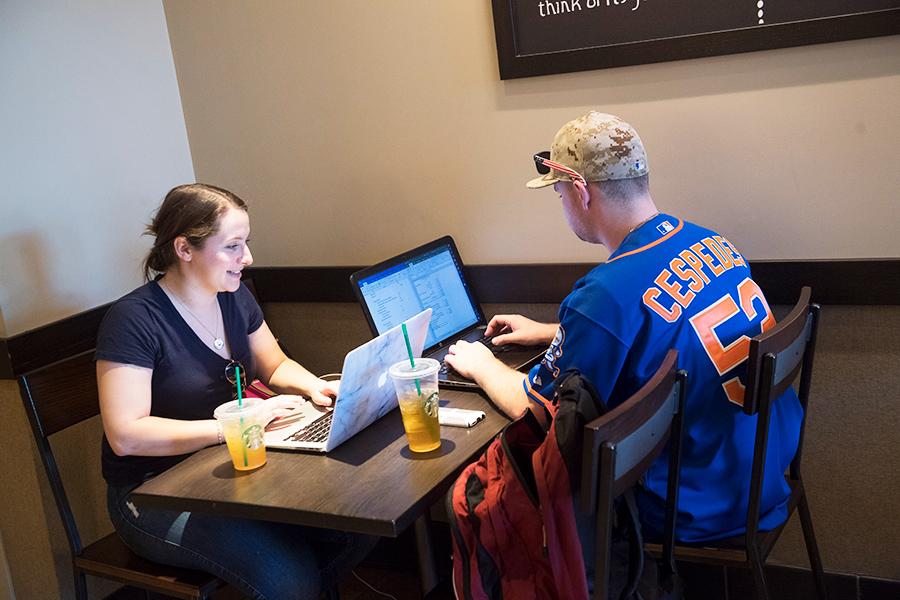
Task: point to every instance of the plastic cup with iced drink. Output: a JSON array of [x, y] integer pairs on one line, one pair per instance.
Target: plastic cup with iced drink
[[417, 393], [244, 432]]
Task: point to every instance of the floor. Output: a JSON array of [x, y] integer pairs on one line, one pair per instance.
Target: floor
[[399, 584], [392, 570]]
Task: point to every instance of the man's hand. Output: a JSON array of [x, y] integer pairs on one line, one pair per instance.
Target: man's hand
[[516, 329], [468, 359], [502, 385]]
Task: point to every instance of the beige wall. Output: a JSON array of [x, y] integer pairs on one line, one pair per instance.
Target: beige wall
[[33, 536], [6, 588], [92, 137], [359, 129]]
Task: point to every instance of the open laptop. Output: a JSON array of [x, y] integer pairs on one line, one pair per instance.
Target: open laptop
[[432, 276], [366, 393]]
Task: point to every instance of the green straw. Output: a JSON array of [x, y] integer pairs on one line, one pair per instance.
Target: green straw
[[240, 399], [412, 361], [237, 380]]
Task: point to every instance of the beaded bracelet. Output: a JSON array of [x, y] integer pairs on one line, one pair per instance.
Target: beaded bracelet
[[220, 435]]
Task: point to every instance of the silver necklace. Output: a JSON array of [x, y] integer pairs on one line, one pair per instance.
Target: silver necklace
[[218, 342]]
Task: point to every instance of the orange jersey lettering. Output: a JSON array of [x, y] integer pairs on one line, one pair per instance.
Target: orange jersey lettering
[[673, 289], [685, 273], [721, 254], [701, 252], [696, 264], [650, 301]]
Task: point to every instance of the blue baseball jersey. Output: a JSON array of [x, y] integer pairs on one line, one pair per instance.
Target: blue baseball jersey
[[672, 284]]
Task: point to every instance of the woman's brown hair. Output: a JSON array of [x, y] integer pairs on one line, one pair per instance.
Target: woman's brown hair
[[193, 211]]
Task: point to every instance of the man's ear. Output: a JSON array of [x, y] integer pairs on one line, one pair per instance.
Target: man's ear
[[183, 248], [584, 194]]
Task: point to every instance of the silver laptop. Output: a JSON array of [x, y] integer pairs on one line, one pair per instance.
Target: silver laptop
[[366, 393]]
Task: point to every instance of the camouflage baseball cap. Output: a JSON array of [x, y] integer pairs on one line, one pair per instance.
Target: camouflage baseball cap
[[598, 146]]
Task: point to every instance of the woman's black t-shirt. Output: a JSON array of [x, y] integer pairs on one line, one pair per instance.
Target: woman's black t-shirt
[[144, 329]]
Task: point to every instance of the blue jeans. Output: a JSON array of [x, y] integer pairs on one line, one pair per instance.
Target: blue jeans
[[264, 560]]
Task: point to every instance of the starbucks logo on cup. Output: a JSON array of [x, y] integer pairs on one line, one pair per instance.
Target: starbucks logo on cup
[[253, 437], [431, 405]]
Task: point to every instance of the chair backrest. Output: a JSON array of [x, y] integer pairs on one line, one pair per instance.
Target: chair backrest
[[57, 397], [633, 434], [787, 349], [619, 447], [776, 358]]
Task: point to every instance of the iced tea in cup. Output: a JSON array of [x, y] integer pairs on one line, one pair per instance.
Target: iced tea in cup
[[244, 432], [417, 392]]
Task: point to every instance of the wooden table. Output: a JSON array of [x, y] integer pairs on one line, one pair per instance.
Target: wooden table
[[370, 484]]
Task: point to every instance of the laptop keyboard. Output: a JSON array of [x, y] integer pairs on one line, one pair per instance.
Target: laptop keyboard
[[317, 431], [486, 340]]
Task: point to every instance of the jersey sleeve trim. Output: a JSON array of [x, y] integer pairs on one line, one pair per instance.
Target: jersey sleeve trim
[[534, 395], [651, 244]]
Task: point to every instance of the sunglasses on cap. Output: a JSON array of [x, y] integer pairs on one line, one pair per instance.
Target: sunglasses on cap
[[543, 164]]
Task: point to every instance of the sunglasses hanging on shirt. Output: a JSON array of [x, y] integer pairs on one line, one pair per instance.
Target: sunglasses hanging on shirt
[[230, 375]]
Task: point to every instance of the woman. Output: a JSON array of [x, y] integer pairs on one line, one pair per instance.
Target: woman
[[161, 356]]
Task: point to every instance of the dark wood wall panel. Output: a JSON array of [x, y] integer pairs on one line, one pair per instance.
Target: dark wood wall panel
[[52, 342], [862, 282], [6, 371], [302, 284], [525, 283]]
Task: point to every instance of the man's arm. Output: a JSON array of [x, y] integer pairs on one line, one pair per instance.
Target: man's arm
[[516, 329], [502, 384]]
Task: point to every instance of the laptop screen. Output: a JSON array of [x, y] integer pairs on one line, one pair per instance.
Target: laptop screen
[[428, 277]]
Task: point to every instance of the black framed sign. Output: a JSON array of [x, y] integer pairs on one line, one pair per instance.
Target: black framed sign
[[540, 37]]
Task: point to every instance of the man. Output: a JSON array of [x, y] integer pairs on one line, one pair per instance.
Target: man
[[666, 284]]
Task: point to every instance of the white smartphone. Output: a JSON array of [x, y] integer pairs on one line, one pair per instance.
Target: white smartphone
[[459, 417]]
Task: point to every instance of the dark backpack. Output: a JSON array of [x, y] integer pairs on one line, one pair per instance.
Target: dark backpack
[[512, 512]]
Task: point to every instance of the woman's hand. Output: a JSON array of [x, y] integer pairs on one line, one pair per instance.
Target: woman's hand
[[516, 329], [324, 392], [283, 374], [279, 406]]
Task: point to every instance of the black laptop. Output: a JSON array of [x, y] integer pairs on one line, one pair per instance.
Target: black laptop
[[432, 276]]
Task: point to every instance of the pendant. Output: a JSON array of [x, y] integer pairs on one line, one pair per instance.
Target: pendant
[[219, 343]]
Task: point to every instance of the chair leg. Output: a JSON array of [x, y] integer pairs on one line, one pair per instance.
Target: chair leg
[[80, 585], [812, 549], [759, 575], [602, 553], [332, 593]]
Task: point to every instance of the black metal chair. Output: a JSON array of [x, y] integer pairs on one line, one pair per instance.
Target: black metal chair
[[619, 447], [57, 397], [776, 358]]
